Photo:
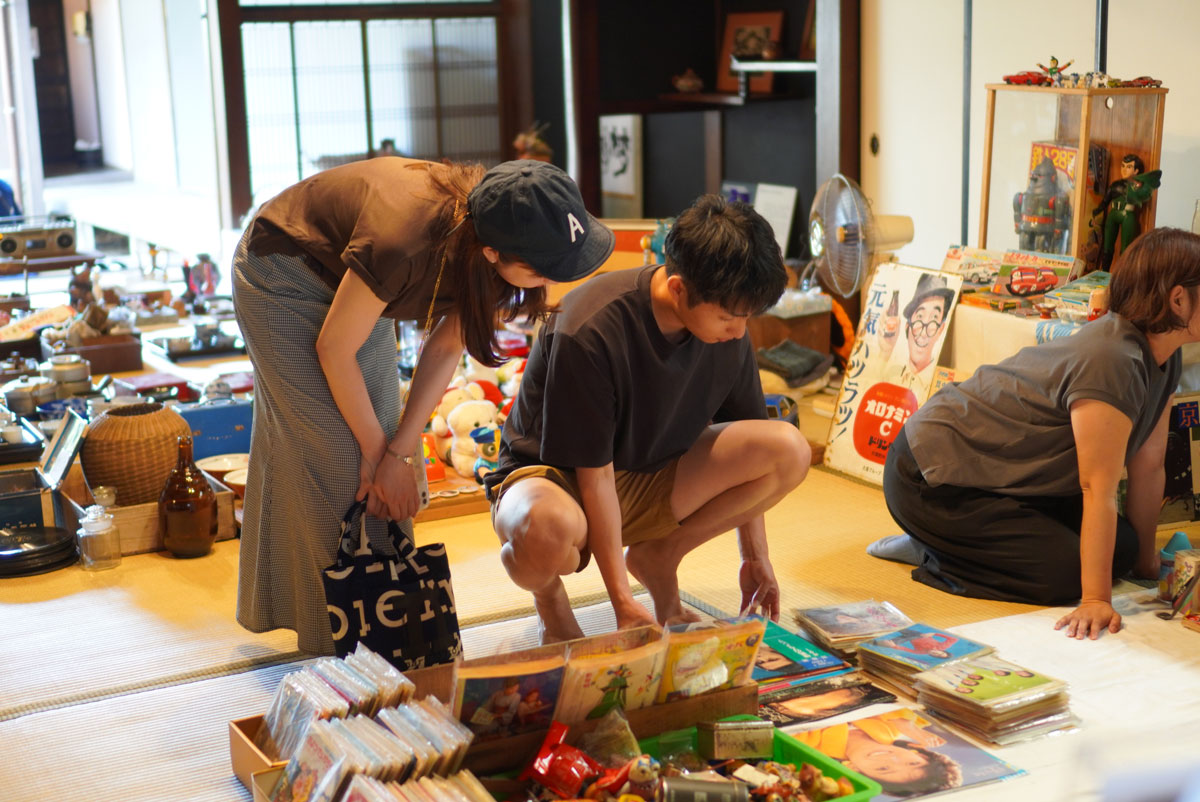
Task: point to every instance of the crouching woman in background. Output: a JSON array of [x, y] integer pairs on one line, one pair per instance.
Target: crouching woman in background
[[1007, 483]]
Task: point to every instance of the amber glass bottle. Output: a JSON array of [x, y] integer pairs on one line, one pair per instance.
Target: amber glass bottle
[[187, 508]]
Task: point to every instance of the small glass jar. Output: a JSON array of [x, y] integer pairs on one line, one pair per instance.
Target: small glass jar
[[99, 540]]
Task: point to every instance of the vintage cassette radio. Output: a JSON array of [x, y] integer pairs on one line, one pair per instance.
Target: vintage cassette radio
[[36, 237]]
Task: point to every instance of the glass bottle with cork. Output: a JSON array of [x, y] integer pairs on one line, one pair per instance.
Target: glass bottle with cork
[[187, 508]]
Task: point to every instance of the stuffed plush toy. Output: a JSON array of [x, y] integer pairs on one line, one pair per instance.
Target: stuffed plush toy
[[457, 393], [509, 376], [476, 371], [462, 419]]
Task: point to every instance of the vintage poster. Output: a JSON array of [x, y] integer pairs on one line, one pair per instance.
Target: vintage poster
[[892, 367]]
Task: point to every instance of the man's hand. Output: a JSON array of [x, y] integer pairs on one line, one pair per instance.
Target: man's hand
[[631, 613], [1089, 619], [760, 590]]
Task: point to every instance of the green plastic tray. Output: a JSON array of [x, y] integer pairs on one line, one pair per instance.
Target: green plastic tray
[[787, 750]]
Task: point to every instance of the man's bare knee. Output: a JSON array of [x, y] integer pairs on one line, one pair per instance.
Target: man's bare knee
[[540, 542], [793, 457]]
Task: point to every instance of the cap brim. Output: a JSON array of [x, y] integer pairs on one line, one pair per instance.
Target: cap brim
[[595, 251]]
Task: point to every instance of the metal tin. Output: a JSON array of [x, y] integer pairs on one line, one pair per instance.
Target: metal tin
[[723, 740], [65, 368], [23, 395], [684, 789]]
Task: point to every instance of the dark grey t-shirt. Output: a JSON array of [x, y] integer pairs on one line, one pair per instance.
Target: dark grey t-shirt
[[1008, 428], [603, 385]]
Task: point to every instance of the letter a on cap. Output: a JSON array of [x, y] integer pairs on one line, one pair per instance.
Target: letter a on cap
[[575, 225]]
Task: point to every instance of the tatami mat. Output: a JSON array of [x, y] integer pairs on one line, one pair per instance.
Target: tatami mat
[[172, 742], [151, 621], [163, 744], [817, 538]]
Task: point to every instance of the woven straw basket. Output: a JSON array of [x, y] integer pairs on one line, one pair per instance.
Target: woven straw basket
[[133, 449]]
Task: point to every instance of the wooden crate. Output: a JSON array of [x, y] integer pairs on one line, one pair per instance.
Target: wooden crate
[[503, 754], [138, 523]]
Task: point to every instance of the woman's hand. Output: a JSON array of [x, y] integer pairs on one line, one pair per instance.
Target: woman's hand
[[1089, 619], [395, 487]]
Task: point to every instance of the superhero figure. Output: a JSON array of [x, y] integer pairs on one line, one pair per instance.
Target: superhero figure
[[1122, 202], [1042, 214]]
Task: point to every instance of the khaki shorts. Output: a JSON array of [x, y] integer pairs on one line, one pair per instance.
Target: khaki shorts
[[645, 500]]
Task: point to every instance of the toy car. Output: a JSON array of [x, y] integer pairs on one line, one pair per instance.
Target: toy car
[[1026, 281], [1142, 80], [979, 275], [1028, 77]]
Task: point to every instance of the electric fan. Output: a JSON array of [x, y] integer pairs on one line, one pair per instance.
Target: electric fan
[[845, 235]]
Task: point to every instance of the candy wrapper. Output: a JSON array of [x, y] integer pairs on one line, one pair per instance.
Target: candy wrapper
[[560, 767]]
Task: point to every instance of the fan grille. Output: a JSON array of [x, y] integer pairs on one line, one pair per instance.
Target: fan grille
[[842, 234]]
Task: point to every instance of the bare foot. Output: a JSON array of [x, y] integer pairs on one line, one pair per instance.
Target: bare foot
[[654, 565], [556, 619]]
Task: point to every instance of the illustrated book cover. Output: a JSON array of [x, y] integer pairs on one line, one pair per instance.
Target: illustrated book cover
[[709, 655], [511, 693], [623, 673]]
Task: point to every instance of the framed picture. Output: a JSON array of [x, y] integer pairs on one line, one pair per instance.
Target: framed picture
[[621, 165], [808, 40], [745, 35]]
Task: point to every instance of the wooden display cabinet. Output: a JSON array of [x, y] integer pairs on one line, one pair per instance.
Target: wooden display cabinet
[[1121, 120]]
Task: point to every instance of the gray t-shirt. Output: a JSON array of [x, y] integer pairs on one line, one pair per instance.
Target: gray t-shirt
[[1007, 429]]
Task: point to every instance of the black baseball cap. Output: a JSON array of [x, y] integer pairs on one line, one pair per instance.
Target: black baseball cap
[[533, 210]]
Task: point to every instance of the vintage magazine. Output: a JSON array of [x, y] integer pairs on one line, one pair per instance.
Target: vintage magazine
[[929, 759], [891, 368], [821, 699], [842, 626], [785, 654]]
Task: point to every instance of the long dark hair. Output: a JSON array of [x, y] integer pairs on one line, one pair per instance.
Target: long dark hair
[[481, 298]]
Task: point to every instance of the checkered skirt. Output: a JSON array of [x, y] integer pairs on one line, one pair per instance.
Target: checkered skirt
[[304, 459]]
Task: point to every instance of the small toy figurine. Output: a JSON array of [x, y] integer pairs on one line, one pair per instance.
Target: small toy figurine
[[1041, 213], [1055, 71], [643, 777], [487, 447], [1119, 209]]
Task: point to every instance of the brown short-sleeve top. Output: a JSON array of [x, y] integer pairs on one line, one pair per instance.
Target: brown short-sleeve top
[[373, 217]]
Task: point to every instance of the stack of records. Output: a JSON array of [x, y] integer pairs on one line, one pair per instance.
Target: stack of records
[[29, 550], [995, 700], [896, 658], [842, 627]]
